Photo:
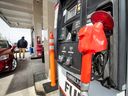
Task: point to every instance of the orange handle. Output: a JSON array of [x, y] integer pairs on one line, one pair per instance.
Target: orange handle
[[86, 68]]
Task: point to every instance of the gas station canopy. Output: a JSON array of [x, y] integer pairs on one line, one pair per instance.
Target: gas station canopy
[[17, 13]]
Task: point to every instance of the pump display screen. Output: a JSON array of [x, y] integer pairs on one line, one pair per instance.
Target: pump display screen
[[71, 10], [71, 13]]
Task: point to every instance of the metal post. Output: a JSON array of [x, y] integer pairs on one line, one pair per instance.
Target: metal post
[[32, 40], [127, 46], [83, 12], [122, 42]]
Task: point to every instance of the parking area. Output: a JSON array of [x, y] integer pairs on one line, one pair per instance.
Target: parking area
[[20, 82]]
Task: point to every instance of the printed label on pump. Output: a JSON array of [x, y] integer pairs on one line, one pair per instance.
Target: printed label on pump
[[70, 85]]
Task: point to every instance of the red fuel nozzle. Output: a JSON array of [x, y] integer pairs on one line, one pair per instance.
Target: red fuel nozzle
[[92, 39]]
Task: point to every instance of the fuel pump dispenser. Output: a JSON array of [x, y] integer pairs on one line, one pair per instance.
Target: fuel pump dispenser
[[88, 48]]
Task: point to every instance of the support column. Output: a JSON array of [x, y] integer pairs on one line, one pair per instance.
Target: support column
[[37, 11], [48, 24]]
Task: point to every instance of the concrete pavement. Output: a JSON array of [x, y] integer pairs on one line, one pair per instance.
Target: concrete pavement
[[20, 82]]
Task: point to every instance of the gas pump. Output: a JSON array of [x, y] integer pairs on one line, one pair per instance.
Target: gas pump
[[103, 76], [39, 47]]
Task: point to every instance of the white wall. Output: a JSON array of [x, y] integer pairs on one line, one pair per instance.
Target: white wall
[[44, 34], [14, 34]]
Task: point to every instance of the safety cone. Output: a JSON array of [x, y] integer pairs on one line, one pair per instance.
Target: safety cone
[[52, 60]]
